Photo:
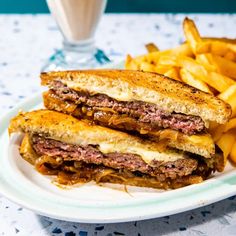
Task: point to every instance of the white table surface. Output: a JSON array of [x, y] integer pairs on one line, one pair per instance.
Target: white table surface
[[26, 41]]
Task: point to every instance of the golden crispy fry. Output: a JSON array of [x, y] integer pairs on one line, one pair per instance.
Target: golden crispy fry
[[134, 63], [219, 82], [173, 73], [229, 93], [217, 132], [232, 154], [230, 125], [162, 69], [191, 65], [130, 63], [207, 61], [230, 56], [153, 57], [219, 48], [168, 60], [145, 66], [191, 34], [216, 46], [182, 50], [189, 78], [151, 47], [213, 79], [226, 143], [225, 40], [229, 96], [225, 66]]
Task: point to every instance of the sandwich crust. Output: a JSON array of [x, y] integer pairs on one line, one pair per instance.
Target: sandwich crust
[[125, 85]]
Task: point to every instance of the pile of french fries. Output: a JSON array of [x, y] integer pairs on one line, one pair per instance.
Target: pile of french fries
[[208, 64]]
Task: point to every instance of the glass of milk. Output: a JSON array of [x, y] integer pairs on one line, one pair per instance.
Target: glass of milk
[[77, 21]]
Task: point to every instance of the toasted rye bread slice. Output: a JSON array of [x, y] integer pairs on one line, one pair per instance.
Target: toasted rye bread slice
[[67, 129], [201, 144], [124, 85]]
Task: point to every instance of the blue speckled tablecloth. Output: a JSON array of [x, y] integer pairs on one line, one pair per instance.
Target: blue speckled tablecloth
[[28, 40]]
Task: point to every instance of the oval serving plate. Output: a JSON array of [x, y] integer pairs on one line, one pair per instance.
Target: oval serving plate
[[92, 203]]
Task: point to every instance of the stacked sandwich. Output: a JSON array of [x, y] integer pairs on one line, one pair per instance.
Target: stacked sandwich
[[118, 126]]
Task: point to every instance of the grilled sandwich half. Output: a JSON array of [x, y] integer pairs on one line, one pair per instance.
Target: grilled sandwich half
[[78, 151]]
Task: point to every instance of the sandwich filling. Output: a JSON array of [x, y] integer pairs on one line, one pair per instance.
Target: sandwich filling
[[142, 114], [132, 162], [75, 163]]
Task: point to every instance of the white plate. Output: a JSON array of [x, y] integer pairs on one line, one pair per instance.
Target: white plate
[[91, 203]]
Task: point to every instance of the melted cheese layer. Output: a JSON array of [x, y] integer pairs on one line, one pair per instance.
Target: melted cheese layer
[[147, 155]]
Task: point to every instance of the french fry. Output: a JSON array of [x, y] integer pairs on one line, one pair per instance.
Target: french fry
[[130, 63], [213, 79], [231, 124], [226, 143], [221, 48], [191, 34], [207, 61], [217, 132], [161, 69], [188, 78], [219, 82], [182, 50], [225, 66], [229, 93], [151, 47], [173, 73], [145, 66], [168, 60], [225, 40], [229, 96], [230, 56], [232, 154], [217, 46], [191, 65], [153, 57]]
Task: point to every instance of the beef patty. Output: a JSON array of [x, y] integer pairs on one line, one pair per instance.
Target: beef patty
[[145, 113], [132, 162]]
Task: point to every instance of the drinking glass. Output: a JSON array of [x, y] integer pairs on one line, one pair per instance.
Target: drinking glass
[[77, 21]]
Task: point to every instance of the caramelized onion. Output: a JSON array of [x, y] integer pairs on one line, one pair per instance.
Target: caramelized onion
[[67, 178], [167, 134], [116, 120], [48, 165], [106, 109], [102, 173]]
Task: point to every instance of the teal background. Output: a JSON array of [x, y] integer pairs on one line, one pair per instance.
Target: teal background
[[195, 6]]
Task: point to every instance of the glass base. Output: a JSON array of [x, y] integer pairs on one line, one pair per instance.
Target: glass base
[[73, 60]]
